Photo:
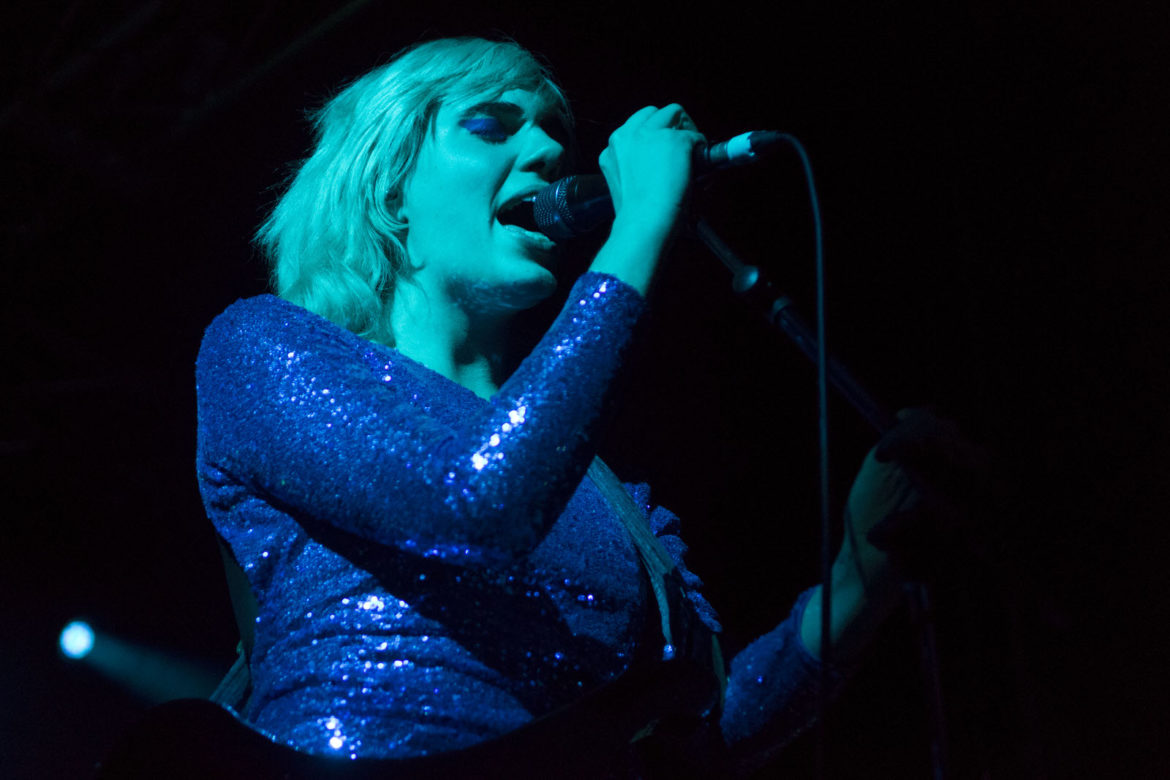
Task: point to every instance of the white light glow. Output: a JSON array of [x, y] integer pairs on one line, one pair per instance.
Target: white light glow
[[77, 639]]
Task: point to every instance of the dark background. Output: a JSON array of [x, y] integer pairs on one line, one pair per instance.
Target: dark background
[[993, 184]]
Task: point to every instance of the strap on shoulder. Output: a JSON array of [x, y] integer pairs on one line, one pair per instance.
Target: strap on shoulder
[[683, 634], [659, 565]]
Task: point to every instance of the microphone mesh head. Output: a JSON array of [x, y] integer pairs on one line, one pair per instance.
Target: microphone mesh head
[[550, 208]]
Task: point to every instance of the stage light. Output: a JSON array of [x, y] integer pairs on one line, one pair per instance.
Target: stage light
[[77, 639], [150, 672]]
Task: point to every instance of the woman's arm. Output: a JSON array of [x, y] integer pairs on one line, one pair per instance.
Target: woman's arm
[[865, 586], [324, 424], [772, 687], [772, 690]]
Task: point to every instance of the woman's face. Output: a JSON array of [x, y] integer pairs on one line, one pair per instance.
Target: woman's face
[[484, 154]]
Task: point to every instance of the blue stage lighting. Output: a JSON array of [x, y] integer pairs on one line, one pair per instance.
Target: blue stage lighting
[[77, 639]]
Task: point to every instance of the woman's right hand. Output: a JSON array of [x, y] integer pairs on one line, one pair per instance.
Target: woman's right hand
[[647, 167], [647, 164]]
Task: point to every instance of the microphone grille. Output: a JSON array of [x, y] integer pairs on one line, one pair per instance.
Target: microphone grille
[[550, 209]]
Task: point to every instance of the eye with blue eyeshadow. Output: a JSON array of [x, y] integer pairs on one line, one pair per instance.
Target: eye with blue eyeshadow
[[488, 128]]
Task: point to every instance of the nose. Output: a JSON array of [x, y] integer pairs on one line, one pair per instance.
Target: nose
[[542, 153]]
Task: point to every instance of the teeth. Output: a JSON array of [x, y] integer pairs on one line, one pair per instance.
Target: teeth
[[531, 236], [519, 229]]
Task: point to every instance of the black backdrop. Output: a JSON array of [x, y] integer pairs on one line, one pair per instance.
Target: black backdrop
[[992, 181]]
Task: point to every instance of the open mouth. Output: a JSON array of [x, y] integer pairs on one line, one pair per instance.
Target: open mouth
[[520, 214]]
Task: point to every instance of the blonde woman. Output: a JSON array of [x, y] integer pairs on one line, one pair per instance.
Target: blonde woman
[[432, 570]]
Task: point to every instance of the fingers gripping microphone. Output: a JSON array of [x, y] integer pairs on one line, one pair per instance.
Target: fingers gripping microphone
[[574, 205]]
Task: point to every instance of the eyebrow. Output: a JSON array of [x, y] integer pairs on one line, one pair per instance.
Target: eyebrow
[[497, 108], [545, 115]]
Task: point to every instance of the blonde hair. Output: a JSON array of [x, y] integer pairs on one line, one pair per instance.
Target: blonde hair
[[333, 242]]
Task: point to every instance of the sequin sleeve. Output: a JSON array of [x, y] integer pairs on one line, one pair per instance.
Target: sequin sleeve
[[333, 427], [772, 689]]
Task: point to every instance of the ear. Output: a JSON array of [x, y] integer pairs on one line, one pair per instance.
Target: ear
[[396, 206]]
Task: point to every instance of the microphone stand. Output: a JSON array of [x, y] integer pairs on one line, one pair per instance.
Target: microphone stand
[[777, 308]]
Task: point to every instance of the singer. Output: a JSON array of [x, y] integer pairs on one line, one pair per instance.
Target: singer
[[433, 570]]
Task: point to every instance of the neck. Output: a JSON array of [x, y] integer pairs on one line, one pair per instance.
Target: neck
[[462, 346]]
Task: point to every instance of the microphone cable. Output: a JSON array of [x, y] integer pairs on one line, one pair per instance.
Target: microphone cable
[[823, 451]]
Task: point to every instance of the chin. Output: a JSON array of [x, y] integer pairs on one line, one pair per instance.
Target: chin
[[522, 291], [530, 292]]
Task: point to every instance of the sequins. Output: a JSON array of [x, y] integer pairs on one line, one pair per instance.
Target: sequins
[[428, 570], [373, 602]]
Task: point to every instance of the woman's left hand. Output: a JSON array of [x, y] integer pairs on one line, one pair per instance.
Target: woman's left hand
[[907, 496], [900, 516]]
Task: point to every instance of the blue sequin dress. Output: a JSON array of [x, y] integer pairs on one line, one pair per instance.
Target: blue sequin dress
[[431, 568]]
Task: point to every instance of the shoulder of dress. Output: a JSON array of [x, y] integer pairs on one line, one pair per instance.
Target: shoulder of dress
[[266, 320], [259, 308], [266, 333]]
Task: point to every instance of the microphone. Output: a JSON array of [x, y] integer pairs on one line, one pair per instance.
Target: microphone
[[572, 206]]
